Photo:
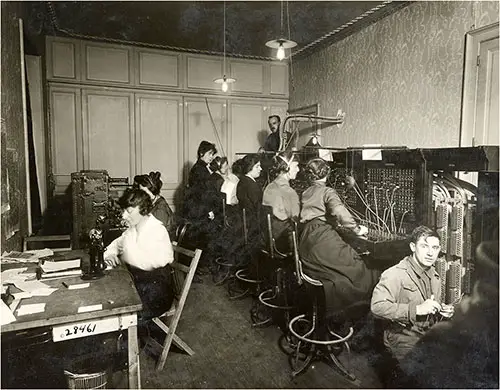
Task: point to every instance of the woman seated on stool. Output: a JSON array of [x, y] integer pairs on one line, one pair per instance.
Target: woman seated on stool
[[223, 180], [249, 192], [151, 184], [145, 249], [222, 185], [283, 199], [325, 256]]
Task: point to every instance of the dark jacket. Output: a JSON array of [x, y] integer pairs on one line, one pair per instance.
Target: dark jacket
[[249, 194], [162, 212], [272, 143], [199, 175], [196, 208]]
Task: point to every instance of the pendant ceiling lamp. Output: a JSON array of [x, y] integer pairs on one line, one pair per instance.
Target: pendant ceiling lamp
[[282, 44], [224, 80]]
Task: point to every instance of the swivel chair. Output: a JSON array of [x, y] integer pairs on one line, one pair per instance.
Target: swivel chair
[[313, 333]]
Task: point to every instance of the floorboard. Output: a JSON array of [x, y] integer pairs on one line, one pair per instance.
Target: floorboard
[[229, 353]]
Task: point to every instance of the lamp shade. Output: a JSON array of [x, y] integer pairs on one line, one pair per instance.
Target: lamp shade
[[284, 43]]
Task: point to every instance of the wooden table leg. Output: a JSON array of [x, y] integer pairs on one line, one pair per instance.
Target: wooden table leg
[[134, 370]]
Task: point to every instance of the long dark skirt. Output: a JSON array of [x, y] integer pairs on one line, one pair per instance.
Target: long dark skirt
[[346, 278], [155, 290]]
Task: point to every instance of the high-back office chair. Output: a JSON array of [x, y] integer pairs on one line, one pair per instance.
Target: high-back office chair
[[312, 330], [183, 269]]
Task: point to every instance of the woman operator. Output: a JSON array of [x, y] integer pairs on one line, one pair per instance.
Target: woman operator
[[283, 198], [145, 249], [346, 278], [151, 185]]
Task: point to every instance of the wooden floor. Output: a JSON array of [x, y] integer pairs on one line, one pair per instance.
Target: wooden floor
[[229, 353]]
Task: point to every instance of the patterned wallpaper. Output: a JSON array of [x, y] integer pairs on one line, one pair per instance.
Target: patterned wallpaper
[[399, 80]]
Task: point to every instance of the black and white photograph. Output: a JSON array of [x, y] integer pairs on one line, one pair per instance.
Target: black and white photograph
[[249, 194]]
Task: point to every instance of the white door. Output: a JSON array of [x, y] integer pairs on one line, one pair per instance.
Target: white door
[[480, 88], [486, 131]]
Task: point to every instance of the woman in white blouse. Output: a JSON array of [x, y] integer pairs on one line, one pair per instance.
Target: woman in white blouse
[[145, 249]]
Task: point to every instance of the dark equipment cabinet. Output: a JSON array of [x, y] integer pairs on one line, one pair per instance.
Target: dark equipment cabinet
[[90, 200]]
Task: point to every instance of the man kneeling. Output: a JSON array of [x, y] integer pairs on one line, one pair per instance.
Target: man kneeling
[[407, 293]]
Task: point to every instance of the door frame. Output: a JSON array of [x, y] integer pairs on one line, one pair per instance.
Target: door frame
[[473, 40]]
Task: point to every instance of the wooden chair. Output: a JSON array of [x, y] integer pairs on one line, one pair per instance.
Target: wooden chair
[[183, 269]]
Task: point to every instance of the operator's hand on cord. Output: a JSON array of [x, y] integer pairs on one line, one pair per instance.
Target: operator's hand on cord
[[363, 230], [211, 215], [429, 306]]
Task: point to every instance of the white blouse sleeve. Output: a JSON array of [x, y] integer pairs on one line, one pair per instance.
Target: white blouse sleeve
[[151, 249], [115, 248]]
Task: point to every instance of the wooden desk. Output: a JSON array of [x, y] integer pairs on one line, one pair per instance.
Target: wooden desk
[[120, 303]]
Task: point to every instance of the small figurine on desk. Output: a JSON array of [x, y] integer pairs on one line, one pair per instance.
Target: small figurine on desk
[[96, 252]]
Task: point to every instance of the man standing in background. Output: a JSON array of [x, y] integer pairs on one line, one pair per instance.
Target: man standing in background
[[272, 143]]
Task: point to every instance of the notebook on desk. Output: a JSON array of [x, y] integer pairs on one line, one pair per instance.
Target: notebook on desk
[[55, 269]]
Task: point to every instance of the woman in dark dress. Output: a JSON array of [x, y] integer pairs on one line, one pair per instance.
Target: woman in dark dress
[[199, 176], [248, 191], [249, 194], [345, 276], [151, 184]]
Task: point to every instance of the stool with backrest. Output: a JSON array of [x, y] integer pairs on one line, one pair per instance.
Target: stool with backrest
[[249, 276], [225, 266], [278, 296], [312, 331], [182, 269]]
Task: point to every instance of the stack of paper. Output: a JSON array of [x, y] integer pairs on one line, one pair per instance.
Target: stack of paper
[[51, 269], [25, 257]]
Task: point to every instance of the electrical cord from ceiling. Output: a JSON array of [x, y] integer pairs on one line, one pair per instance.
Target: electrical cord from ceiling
[[214, 128]]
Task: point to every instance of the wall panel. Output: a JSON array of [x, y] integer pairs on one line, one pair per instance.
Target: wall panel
[[106, 63], [157, 68], [108, 132], [159, 130], [198, 126]]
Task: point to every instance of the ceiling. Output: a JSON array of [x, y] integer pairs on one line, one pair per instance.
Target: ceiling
[[198, 25]]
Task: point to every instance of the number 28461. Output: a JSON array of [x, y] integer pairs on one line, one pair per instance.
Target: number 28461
[[80, 329]]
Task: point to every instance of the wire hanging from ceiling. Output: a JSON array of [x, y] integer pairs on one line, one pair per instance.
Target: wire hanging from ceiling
[[281, 44], [224, 80]]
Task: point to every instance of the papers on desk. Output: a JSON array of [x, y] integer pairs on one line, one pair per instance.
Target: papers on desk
[[57, 266], [57, 269], [25, 257], [15, 274], [35, 288], [31, 308], [6, 315]]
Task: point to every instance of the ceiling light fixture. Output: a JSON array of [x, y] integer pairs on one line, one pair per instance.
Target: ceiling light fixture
[[281, 44], [224, 80]]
